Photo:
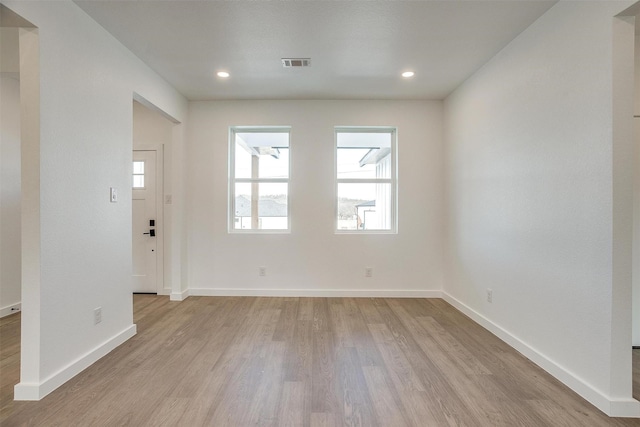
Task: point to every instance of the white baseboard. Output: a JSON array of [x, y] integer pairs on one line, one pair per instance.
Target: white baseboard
[[180, 296], [613, 408], [357, 293], [627, 408], [10, 309], [31, 391]]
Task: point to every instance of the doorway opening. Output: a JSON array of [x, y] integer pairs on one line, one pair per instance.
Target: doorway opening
[[19, 204], [10, 159], [151, 199]]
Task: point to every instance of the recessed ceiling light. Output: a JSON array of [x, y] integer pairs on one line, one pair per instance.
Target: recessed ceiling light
[[223, 74], [408, 74]]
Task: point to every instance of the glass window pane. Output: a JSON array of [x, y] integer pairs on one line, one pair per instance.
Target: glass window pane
[[350, 166], [363, 155], [138, 181], [272, 206], [272, 211], [275, 165], [270, 149], [364, 206], [138, 167], [242, 207], [365, 138], [243, 160]]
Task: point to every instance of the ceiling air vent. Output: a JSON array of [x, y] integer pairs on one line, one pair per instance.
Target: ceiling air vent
[[296, 62]]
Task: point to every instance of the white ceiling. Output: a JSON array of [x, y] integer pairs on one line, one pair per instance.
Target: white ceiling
[[357, 48]]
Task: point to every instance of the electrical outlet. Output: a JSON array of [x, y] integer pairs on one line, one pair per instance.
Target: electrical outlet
[[262, 271], [489, 295], [97, 315], [113, 195], [368, 272]]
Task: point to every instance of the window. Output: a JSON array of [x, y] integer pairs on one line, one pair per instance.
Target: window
[[366, 179], [259, 179], [138, 174]]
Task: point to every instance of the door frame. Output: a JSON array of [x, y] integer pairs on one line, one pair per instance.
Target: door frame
[[159, 149]]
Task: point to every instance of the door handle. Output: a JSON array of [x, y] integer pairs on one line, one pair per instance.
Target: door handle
[[151, 233]]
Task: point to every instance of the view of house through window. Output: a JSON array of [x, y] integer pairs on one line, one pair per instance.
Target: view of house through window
[[259, 184], [365, 179]]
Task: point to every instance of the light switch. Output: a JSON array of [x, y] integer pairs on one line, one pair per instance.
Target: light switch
[[113, 194]]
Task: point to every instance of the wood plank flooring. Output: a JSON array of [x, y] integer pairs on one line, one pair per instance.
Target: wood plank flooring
[[242, 361]]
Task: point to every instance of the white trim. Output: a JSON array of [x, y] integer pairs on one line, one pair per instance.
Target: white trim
[[10, 309], [627, 408], [611, 407], [160, 218], [232, 180], [261, 230], [393, 181], [179, 296], [357, 293], [31, 391]]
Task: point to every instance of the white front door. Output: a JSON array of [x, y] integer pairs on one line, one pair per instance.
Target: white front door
[[145, 247]]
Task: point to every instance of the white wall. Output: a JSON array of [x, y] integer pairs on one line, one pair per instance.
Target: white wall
[[529, 178], [312, 259], [87, 83], [636, 208], [10, 242], [151, 130], [532, 205]]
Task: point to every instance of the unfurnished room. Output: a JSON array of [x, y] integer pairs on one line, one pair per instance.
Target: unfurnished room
[[318, 213]]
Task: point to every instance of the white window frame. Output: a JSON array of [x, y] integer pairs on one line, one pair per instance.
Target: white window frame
[[233, 180], [392, 180]]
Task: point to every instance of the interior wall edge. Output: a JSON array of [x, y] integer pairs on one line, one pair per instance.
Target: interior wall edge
[[613, 407], [37, 391]]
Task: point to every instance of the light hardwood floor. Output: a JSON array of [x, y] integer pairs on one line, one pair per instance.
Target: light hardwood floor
[[301, 361]]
